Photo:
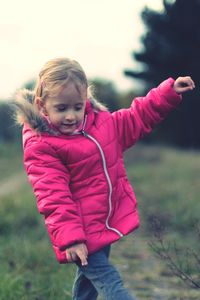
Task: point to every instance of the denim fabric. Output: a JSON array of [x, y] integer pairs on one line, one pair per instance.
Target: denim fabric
[[99, 277]]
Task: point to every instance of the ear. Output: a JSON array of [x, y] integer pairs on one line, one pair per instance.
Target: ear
[[41, 106]]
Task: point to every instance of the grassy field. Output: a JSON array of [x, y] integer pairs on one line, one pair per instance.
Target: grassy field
[[10, 160], [166, 182]]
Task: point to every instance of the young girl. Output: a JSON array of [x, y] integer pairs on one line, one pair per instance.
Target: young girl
[[73, 155]]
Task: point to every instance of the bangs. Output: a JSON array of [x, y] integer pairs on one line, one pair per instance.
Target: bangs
[[53, 90]]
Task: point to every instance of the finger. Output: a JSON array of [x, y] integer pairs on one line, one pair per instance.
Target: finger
[[190, 82], [185, 89], [83, 257], [74, 257], [186, 84], [185, 81], [85, 250], [69, 256]]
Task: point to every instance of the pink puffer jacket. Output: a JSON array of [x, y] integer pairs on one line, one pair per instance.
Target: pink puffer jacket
[[80, 181]]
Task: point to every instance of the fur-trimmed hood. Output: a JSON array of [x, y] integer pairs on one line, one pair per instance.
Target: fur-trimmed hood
[[27, 113]]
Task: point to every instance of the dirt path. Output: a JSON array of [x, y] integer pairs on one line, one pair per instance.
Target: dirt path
[[12, 184]]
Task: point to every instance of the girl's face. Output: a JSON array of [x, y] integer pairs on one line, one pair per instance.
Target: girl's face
[[66, 110]]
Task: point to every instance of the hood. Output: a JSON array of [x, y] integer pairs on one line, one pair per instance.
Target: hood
[[27, 112]]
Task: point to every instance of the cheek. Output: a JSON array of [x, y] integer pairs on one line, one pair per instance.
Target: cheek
[[81, 115], [55, 119]]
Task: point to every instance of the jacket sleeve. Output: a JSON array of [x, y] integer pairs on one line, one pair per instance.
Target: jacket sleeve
[[145, 112], [50, 181]]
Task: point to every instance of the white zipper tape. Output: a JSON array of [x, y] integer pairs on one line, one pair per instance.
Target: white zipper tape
[[108, 180]]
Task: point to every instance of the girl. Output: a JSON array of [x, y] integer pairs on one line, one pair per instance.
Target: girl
[[73, 155]]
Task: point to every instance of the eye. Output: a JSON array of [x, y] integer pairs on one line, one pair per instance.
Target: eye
[[78, 107], [61, 108]]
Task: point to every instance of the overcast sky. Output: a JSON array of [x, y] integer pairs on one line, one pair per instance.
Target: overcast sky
[[100, 34]]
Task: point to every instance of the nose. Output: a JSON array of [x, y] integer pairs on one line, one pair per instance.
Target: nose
[[70, 116]]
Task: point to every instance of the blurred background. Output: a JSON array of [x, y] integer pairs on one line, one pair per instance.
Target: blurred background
[[125, 48]]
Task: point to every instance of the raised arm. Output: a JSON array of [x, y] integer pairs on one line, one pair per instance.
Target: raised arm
[[145, 112]]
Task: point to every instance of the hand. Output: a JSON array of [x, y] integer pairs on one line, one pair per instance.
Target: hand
[[183, 84], [77, 251]]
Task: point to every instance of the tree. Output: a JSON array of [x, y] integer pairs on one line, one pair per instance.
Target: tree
[[105, 91], [8, 130], [30, 85], [171, 48]]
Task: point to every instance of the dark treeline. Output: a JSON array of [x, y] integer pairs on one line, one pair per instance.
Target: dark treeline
[[171, 46]]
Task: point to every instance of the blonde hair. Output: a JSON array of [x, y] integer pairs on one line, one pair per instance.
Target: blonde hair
[[57, 73]]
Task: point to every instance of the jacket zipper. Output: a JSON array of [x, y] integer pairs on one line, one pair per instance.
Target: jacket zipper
[[108, 180]]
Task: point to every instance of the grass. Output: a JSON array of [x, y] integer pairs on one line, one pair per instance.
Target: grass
[[28, 269], [28, 266], [166, 185], [10, 160]]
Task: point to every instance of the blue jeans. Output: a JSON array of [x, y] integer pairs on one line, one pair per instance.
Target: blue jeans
[[99, 277]]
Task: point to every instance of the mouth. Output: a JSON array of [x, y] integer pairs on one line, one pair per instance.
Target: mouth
[[69, 125]]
